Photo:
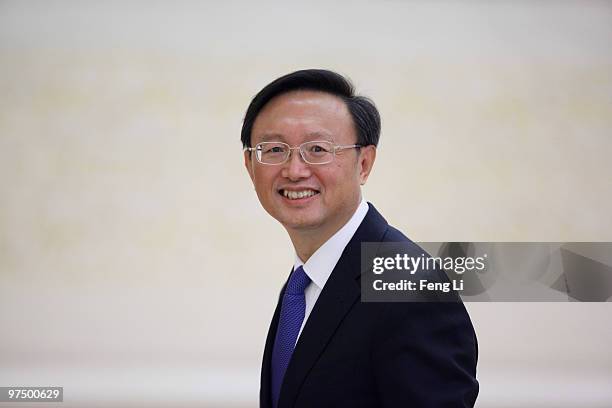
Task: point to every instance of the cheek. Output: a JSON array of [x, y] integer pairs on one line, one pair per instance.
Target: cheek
[[264, 179], [342, 185], [342, 175], [336, 181]]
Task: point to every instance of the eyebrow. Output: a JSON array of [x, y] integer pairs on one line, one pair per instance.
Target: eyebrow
[[267, 137]]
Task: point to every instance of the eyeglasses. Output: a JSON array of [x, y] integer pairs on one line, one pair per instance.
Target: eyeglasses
[[315, 152]]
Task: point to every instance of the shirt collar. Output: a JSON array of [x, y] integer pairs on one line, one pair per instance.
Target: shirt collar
[[321, 264]]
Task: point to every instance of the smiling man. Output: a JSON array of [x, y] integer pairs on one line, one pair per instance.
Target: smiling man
[[309, 145]]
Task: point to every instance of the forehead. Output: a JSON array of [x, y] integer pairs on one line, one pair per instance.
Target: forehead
[[304, 115]]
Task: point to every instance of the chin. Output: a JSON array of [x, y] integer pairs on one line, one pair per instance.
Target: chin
[[305, 224]]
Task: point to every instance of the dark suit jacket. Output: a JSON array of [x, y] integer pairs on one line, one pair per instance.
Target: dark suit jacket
[[357, 354]]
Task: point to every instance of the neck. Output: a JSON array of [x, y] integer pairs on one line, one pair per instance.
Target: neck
[[306, 242]]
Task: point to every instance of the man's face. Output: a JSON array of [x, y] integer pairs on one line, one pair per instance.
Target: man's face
[[294, 118]]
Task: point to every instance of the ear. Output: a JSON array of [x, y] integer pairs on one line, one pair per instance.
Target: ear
[[248, 163], [367, 156]]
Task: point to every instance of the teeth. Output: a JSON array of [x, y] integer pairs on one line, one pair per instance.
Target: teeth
[[294, 195]]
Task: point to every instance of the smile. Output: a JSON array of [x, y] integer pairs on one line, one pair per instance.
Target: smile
[[300, 194]]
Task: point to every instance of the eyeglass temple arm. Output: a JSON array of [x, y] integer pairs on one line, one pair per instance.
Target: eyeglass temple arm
[[342, 147]]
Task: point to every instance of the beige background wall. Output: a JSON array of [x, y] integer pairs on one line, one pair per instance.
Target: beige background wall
[[127, 221]]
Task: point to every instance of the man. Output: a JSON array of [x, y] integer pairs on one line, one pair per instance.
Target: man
[[309, 144]]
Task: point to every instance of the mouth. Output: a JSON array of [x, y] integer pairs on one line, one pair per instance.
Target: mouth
[[298, 195]]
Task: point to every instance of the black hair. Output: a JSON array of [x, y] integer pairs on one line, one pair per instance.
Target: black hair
[[366, 118]]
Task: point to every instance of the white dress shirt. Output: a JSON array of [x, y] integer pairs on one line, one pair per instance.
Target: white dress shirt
[[321, 264]]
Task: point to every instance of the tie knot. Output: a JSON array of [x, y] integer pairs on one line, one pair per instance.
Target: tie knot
[[297, 282]]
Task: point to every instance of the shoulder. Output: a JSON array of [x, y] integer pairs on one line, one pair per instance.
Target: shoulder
[[392, 234]]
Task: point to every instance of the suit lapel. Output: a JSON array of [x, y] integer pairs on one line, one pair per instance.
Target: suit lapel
[[265, 395], [340, 293]]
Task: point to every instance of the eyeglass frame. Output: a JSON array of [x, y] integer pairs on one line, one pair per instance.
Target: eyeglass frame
[[299, 147]]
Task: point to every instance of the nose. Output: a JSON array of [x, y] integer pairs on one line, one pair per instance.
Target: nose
[[295, 168]]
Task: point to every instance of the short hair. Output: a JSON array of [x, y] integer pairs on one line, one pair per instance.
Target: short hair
[[366, 119]]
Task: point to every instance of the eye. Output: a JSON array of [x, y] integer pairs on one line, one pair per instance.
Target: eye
[[318, 148], [272, 148]]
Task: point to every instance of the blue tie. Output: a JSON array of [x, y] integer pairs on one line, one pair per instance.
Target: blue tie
[[292, 313]]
